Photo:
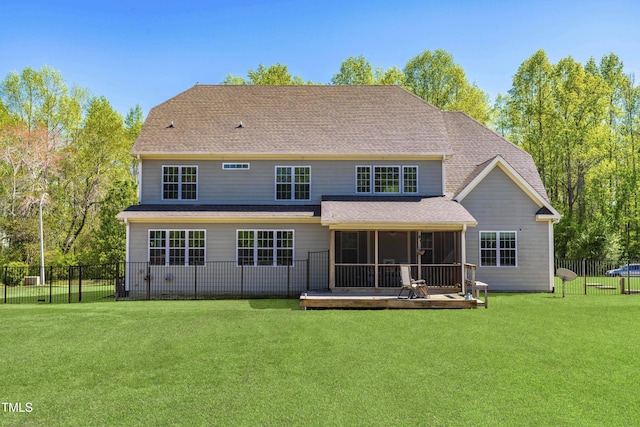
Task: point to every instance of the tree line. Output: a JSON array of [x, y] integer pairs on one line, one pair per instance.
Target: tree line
[[67, 151], [63, 152], [581, 124]]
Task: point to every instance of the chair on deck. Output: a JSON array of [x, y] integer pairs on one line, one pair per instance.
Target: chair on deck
[[416, 288]]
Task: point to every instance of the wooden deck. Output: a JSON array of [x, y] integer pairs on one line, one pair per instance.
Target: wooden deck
[[354, 300]]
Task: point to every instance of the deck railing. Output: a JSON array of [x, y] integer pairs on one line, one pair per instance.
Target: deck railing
[[363, 275], [469, 276]]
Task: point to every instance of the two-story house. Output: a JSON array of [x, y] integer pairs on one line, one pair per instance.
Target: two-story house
[[259, 177]]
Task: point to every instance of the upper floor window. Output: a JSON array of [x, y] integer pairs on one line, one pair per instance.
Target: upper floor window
[[235, 166], [387, 179], [264, 247], [176, 247], [293, 182], [179, 182], [498, 249]]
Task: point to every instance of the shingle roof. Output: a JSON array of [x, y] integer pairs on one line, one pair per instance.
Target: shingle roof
[[311, 120], [394, 211], [475, 146]]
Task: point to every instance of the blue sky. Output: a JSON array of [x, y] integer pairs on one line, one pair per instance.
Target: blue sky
[[144, 52]]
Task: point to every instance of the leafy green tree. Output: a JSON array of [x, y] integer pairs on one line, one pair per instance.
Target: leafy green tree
[[436, 78], [108, 241], [355, 70], [531, 116], [570, 117], [277, 74], [390, 76], [230, 79], [41, 100], [98, 157], [40, 116], [64, 150], [133, 123]]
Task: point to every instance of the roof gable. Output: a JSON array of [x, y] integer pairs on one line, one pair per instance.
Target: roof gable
[[475, 146], [547, 211]]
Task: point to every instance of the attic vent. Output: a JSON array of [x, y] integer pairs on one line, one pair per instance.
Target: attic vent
[[170, 124], [240, 125]]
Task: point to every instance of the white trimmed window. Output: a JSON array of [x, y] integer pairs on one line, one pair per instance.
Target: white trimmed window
[[264, 247], [363, 179], [177, 247], [293, 182], [498, 249], [386, 179], [409, 179], [179, 182], [235, 166]]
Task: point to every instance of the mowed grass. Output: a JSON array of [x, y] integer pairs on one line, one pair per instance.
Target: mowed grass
[[530, 359]]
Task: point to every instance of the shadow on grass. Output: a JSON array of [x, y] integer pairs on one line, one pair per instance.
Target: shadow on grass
[[279, 304]]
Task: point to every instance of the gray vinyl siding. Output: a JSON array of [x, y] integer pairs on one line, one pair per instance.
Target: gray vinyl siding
[[257, 184], [220, 273], [221, 238], [498, 204]]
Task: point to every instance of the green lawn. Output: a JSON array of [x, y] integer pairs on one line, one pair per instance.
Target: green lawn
[[530, 359]]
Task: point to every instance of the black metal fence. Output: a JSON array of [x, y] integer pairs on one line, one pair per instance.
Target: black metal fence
[[70, 284], [218, 279], [599, 277], [225, 279], [59, 284]]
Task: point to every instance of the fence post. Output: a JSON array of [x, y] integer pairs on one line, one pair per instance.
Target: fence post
[[584, 274], [69, 271], [50, 284], [629, 275], [329, 268], [195, 282], [5, 284], [79, 283], [242, 281], [148, 281], [117, 288], [308, 270]]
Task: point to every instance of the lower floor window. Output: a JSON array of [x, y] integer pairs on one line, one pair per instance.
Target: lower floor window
[[176, 247], [498, 249], [264, 247]]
